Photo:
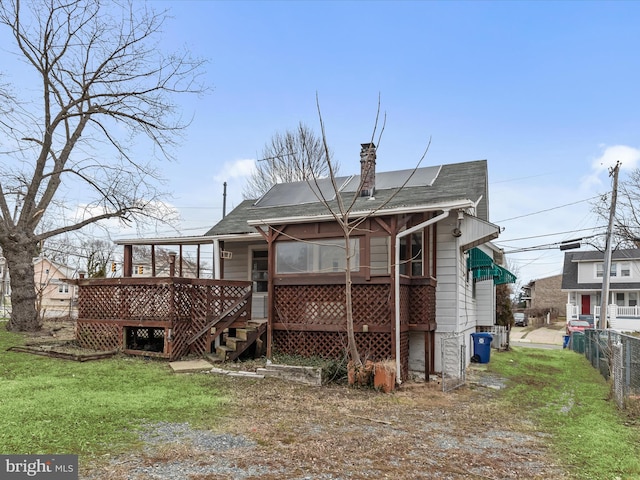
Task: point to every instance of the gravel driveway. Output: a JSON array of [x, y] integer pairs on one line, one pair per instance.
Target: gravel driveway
[[280, 430]]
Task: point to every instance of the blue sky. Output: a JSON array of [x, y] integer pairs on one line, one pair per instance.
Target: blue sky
[[547, 92]]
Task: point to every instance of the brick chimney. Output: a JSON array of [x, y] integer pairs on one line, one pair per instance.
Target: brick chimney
[[367, 169]]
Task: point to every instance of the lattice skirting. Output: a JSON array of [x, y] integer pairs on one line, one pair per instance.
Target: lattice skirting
[[373, 346], [99, 336], [107, 336]]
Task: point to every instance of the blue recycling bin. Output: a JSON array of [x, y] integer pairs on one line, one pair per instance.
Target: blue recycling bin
[[565, 341], [482, 346]]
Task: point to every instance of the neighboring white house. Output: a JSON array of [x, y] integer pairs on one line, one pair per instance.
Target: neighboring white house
[[582, 278]]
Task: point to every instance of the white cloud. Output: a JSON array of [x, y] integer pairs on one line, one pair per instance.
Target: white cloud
[[236, 169], [628, 157]]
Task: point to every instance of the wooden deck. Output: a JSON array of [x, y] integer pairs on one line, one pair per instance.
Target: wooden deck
[[166, 317]]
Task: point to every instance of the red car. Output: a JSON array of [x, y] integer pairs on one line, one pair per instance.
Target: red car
[[577, 326]]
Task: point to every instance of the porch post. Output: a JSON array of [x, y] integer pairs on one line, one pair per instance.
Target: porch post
[[127, 264], [216, 259], [271, 270]]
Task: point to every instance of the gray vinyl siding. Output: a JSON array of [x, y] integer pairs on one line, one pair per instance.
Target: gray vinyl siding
[[379, 247], [237, 268], [447, 275]]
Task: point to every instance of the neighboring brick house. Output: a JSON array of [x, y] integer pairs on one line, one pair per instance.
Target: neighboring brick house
[[545, 295]]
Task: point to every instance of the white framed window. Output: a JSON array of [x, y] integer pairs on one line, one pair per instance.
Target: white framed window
[[613, 270], [620, 299], [63, 288], [633, 299], [318, 256], [625, 269]]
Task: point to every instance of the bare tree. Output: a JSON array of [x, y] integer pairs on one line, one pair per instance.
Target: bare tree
[[293, 156], [341, 209], [99, 257], [102, 84], [627, 221]]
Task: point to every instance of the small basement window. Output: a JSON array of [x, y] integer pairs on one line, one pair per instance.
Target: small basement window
[[146, 339]]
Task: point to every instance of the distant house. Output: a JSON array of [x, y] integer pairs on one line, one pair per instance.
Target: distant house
[[55, 296], [582, 279], [423, 269], [545, 295]]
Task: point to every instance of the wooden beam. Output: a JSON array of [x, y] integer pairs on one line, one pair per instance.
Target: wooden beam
[[304, 327], [385, 226], [127, 264], [153, 260]]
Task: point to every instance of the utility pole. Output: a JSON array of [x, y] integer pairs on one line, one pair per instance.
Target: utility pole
[[606, 273]]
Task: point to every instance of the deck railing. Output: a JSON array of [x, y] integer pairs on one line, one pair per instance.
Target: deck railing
[[625, 319], [155, 316]]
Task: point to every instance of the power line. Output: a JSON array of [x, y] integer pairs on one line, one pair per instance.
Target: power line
[[553, 246], [547, 235], [548, 209]]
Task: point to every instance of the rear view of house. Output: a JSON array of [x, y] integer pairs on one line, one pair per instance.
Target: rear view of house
[[422, 266]]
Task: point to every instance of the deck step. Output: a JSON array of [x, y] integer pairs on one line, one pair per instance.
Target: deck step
[[243, 333], [222, 351], [232, 342]]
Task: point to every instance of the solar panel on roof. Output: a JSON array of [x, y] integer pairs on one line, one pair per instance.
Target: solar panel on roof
[[422, 177], [296, 193]]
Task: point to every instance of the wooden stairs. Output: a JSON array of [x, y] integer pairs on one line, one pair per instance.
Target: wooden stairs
[[235, 341]]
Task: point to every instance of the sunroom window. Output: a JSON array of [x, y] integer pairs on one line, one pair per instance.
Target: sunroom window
[[317, 256], [411, 255]]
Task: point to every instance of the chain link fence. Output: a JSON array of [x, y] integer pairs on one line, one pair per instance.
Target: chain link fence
[[616, 356], [453, 353]]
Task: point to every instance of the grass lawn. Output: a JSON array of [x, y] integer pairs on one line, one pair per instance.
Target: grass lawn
[[91, 408], [94, 408], [564, 396]]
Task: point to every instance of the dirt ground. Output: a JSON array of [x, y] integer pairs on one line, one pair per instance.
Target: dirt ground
[[293, 431], [337, 432]]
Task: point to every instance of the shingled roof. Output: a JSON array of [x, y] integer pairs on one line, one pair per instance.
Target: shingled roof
[[570, 268], [451, 183]]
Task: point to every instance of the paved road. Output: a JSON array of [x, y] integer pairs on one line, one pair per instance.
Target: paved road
[[538, 337]]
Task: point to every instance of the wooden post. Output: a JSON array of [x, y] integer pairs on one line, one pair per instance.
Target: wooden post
[[127, 266], [172, 264], [392, 285], [271, 271]]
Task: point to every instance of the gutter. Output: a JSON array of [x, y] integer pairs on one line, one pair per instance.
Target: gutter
[[404, 233], [323, 217]]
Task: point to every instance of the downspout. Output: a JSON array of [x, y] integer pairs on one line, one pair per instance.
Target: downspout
[[404, 233], [216, 259]]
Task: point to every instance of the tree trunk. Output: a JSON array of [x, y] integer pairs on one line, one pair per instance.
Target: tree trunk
[[19, 255], [351, 338]]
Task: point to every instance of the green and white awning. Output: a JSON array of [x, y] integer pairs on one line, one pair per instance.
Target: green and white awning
[[482, 268]]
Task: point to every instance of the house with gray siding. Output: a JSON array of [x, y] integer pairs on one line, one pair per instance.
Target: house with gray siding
[[582, 279], [423, 266]]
